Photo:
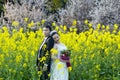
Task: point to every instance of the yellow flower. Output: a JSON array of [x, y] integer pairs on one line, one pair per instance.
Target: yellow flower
[[74, 23], [56, 28], [15, 23], [59, 66], [103, 26], [107, 51], [92, 56], [31, 24], [21, 30], [64, 28], [4, 26], [43, 21], [18, 58], [115, 26], [114, 31], [107, 27], [2, 57], [75, 29], [38, 23], [24, 65], [119, 46], [54, 51], [53, 24], [61, 26], [39, 72], [86, 21], [90, 25], [49, 75], [43, 59], [57, 60], [98, 26], [46, 53], [33, 53], [97, 67], [62, 73], [44, 47], [69, 69], [71, 29], [85, 55], [26, 19]]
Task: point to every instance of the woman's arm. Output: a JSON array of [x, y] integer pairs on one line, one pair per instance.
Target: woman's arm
[[64, 60]]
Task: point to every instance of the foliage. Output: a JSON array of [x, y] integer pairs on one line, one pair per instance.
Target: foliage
[[57, 4], [95, 53]]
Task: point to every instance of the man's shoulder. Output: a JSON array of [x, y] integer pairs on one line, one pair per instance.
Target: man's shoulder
[[49, 38]]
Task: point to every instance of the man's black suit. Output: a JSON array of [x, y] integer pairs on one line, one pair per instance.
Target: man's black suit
[[49, 42]]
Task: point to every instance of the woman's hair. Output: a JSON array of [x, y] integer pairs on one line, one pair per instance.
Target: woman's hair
[[53, 33]]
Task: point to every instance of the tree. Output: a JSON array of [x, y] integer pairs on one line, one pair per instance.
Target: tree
[[1, 6]]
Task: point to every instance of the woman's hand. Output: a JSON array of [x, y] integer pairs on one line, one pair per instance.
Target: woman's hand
[[53, 57], [64, 59]]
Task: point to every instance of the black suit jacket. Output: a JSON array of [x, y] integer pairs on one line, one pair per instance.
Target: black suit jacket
[[42, 52]]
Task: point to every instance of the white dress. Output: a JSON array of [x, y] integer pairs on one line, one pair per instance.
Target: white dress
[[59, 70]]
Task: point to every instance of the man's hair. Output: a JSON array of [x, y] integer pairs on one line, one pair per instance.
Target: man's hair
[[48, 25]]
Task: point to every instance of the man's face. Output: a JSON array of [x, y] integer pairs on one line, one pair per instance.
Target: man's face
[[46, 31]]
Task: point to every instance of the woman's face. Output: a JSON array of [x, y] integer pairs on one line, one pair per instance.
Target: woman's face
[[56, 38]]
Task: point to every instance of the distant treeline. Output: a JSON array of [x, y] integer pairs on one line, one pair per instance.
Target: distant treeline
[[55, 4], [2, 2], [1, 5]]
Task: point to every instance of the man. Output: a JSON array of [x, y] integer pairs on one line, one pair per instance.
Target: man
[[44, 52]]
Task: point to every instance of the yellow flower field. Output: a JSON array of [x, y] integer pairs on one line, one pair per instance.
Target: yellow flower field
[[95, 54]]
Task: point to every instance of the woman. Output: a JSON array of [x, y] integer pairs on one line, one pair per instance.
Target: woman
[[59, 70]]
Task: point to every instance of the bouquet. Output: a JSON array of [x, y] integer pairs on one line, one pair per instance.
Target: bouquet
[[65, 55]]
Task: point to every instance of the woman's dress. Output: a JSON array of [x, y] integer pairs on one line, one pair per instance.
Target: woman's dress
[[59, 70]]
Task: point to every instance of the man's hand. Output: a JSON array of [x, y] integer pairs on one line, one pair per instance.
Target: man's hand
[[37, 68], [45, 67]]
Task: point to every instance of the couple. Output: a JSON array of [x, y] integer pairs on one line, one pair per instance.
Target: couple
[[49, 65]]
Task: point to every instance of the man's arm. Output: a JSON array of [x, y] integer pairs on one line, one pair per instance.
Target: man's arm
[[50, 43]]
